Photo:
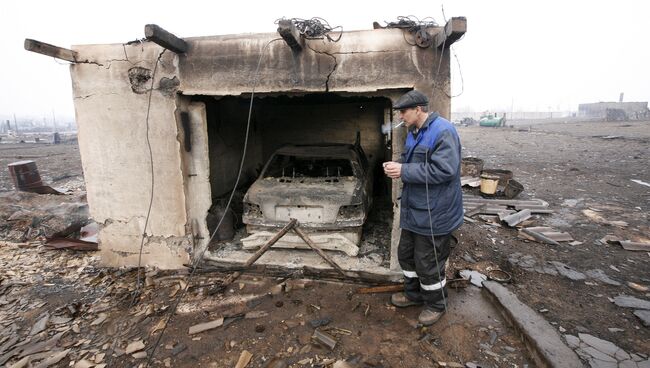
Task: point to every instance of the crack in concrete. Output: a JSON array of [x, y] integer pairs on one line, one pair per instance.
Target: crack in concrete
[[367, 52], [88, 62], [93, 94], [327, 81], [329, 75]]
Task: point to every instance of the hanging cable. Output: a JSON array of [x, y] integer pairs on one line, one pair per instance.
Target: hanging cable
[[411, 23], [138, 284]]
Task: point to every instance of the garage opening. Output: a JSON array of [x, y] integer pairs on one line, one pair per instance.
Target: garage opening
[[301, 146]]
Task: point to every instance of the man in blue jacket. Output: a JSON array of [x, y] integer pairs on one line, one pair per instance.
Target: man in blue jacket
[[431, 205]]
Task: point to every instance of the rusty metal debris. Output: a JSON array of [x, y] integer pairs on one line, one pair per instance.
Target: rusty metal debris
[[513, 189], [71, 244], [87, 240], [26, 178], [499, 275]]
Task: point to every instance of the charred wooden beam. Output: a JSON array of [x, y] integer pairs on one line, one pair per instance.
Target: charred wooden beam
[[290, 34], [50, 50], [165, 39], [363, 277], [452, 31]]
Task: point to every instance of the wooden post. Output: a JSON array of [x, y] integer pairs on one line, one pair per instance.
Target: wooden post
[[50, 50], [451, 32], [165, 39], [290, 34], [318, 250], [260, 252]]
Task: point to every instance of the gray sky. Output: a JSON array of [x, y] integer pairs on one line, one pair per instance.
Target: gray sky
[[542, 55]]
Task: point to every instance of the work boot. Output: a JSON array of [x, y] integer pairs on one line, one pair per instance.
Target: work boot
[[401, 300], [429, 316]]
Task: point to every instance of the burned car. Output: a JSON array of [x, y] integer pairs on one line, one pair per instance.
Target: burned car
[[326, 187]]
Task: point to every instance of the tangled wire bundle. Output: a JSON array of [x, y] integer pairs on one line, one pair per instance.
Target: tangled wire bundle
[[411, 23], [315, 28]]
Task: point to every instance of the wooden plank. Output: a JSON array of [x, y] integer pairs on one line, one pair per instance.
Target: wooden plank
[[50, 50], [205, 326], [452, 32], [362, 277], [318, 250], [244, 358], [290, 34], [381, 289], [165, 39], [261, 251]]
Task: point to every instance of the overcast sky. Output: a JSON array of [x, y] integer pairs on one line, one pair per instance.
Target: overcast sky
[[543, 55]]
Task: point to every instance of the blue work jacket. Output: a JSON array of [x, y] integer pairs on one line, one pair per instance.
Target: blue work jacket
[[431, 158]]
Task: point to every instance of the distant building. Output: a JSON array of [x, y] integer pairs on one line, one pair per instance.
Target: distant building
[[615, 111]]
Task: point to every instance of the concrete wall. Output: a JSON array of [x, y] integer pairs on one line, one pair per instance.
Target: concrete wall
[[115, 156], [227, 131], [317, 123], [111, 86], [361, 62]]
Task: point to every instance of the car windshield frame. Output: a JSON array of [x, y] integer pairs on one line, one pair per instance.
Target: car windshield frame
[[353, 167]]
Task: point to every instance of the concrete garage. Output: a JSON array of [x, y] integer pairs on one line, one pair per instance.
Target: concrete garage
[[194, 122]]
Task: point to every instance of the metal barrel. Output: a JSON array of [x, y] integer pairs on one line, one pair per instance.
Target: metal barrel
[[25, 175]]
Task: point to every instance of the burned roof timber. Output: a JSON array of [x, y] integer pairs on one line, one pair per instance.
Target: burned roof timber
[[165, 39], [50, 50], [290, 34], [452, 32]]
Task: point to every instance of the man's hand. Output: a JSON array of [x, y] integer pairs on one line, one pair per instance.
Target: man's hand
[[393, 169]]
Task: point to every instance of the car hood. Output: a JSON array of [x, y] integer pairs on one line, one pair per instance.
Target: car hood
[[305, 191]]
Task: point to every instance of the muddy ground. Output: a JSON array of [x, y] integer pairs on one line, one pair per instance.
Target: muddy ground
[[574, 167]]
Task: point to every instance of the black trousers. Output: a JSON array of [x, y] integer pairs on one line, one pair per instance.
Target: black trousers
[[424, 273]]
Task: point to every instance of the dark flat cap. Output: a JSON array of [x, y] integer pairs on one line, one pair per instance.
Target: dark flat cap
[[411, 99]]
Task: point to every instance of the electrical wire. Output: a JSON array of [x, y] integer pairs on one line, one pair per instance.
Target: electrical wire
[[433, 240], [198, 259], [451, 48], [411, 23], [314, 28], [138, 284]]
